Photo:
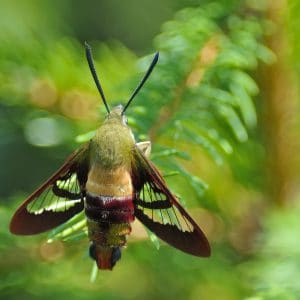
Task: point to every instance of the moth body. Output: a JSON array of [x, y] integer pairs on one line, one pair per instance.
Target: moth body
[[109, 191]]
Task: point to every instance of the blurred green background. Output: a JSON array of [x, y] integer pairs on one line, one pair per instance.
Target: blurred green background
[[221, 109]]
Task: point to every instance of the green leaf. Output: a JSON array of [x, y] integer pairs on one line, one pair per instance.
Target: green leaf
[[153, 238], [234, 122], [82, 138], [171, 152], [245, 104], [94, 273]]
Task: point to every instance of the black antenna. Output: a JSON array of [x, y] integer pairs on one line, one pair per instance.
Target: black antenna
[[89, 57], [153, 63]]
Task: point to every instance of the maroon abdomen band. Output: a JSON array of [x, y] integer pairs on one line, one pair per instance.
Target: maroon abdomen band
[[109, 209]]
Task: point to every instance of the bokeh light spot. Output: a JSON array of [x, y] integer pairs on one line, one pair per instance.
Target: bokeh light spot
[[44, 132], [52, 251], [76, 104], [43, 93]]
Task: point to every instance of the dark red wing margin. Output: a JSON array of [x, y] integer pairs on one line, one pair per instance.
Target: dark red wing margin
[[153, 198], [25, 222]]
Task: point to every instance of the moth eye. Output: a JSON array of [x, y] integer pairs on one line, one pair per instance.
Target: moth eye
[[92, 251]]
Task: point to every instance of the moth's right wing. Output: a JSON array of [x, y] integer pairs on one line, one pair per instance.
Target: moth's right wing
[[55, 201], [159, 210]]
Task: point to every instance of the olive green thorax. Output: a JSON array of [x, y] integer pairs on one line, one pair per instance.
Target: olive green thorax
[[113, 142]]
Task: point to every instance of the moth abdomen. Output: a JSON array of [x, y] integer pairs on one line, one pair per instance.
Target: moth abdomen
[[109, 209], [108, 221], [112, 183]]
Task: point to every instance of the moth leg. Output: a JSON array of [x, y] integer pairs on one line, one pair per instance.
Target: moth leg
[[145, 147], [158, 204]]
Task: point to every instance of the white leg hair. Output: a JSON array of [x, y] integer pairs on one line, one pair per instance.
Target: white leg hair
[[145, 147]]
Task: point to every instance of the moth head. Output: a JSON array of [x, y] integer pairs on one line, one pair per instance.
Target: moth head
[[118, 110], [116, 115]]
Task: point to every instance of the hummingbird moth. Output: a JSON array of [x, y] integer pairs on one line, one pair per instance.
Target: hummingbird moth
[[114, 182]]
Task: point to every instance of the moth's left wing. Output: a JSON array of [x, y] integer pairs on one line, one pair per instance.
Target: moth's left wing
[[159, 210], [55, 201]]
